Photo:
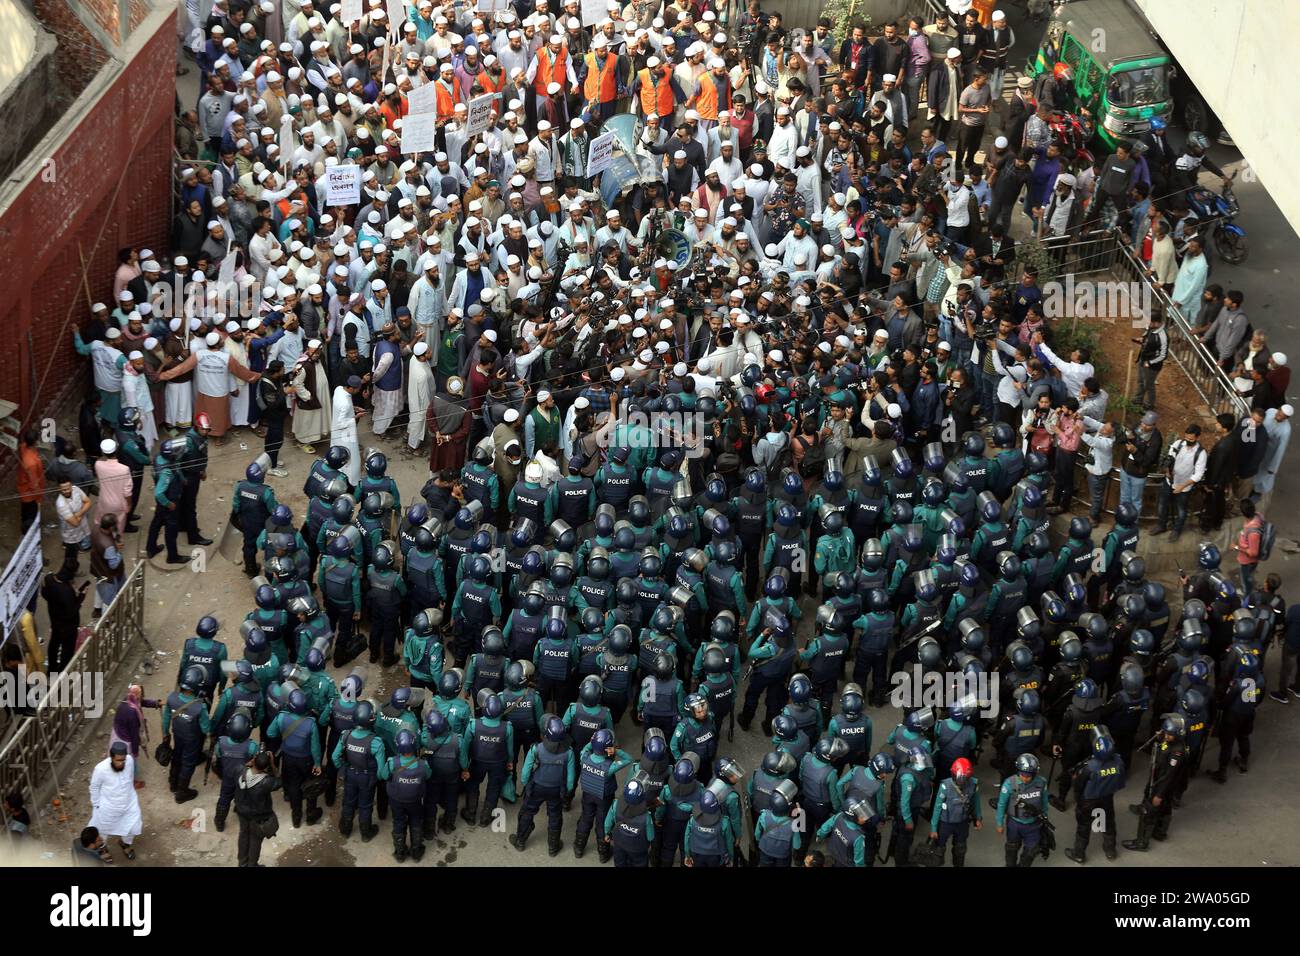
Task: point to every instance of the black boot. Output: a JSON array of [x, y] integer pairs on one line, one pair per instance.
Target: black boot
[[1077, 854], [1108, 847], [1218, 776], [369, 832], [448, 823], [603, 850], [330, 796], [1027, 855], [430, 828], [553, 844], [220, 818], [1012, 850], [1142, 842], [958, 856], [345, 827], [186, 794], [296, 816], [485, 818], [417, 853], [579, 847], [399, 852], [1243, 763], [519, 842], [469, 813], [314, 815]]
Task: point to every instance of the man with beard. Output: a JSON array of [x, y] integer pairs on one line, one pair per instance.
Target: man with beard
[[311, 414], [449, 419], [419, 395], [115, 808], [386, 378]]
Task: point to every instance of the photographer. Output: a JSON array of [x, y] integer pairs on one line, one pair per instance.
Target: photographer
[[959, 402], [1140, 457]]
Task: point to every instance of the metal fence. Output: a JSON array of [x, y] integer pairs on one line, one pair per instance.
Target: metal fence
[[1102, 252], [1185, 348], [29, 762]]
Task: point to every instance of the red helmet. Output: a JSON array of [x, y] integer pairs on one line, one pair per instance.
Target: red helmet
[[961, 768], [201, 420], [1062, 71], [763, 391]]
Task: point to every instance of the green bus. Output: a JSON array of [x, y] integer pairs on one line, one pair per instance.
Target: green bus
[[1121, 71]]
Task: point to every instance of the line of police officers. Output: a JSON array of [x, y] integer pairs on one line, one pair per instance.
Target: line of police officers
[[526, 647]]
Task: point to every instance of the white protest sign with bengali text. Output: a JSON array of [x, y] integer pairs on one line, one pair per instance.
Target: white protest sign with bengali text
[[343, 185], [419, 132], [600, 153]]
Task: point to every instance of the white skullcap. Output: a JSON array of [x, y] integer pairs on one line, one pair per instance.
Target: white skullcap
[[108, 446], [1000, 143], [617, 374], [113, 333], [1287, 410], [512, 415], [894, 410], [490, 335], [420, 348], [1279, 358], [212, 339], [776, 355]]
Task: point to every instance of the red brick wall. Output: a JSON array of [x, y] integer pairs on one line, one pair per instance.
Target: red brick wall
[[109, 186]]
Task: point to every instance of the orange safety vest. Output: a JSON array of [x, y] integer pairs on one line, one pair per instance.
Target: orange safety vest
[[447, 100], [706, 101], [657, 99], [549, 70], [485, 81], [601, 83]]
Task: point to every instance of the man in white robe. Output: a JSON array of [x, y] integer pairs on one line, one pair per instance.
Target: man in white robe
[[216, 373], [343, 427], [178, 396], [239, 395], [311, 398], [136, 394], [115, 806], [419, 393], [386, 378]]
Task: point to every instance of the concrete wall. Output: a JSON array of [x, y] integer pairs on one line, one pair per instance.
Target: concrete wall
[[17, 42], [1235, 52]]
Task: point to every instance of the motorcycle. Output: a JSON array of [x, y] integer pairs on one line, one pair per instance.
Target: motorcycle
[[1072, 132], [1217, 211]]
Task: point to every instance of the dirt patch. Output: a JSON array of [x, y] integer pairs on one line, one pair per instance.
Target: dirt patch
[[322, 850]]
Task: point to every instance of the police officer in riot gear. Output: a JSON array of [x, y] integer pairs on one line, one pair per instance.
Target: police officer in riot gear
[[1102, 775], [548, 777]]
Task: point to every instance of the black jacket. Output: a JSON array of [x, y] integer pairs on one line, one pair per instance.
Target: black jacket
[[253, 794]]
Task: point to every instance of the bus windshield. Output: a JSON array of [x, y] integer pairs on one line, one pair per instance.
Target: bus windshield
[[1141, 87]]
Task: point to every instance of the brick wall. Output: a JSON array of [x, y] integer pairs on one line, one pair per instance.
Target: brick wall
[[108, 186]]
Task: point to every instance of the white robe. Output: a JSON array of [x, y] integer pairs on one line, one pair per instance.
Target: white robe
[[387, 402], [135, 394], [419, 393], [343, 431], [310, 425], [113, 797], [239, 401]]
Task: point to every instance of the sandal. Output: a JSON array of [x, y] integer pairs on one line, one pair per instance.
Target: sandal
[[105, 854], [127, 851]]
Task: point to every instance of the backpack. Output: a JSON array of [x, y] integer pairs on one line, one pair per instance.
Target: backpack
[[814, 459], [1267, 537]]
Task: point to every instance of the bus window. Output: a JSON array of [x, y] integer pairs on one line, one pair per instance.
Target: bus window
[[1141, 87]]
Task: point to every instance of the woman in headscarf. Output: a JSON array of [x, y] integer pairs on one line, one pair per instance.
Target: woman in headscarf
[[129, 726]]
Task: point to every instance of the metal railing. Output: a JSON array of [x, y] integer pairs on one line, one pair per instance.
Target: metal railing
[[29, 761], [1185, 348], [1102, 251]]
